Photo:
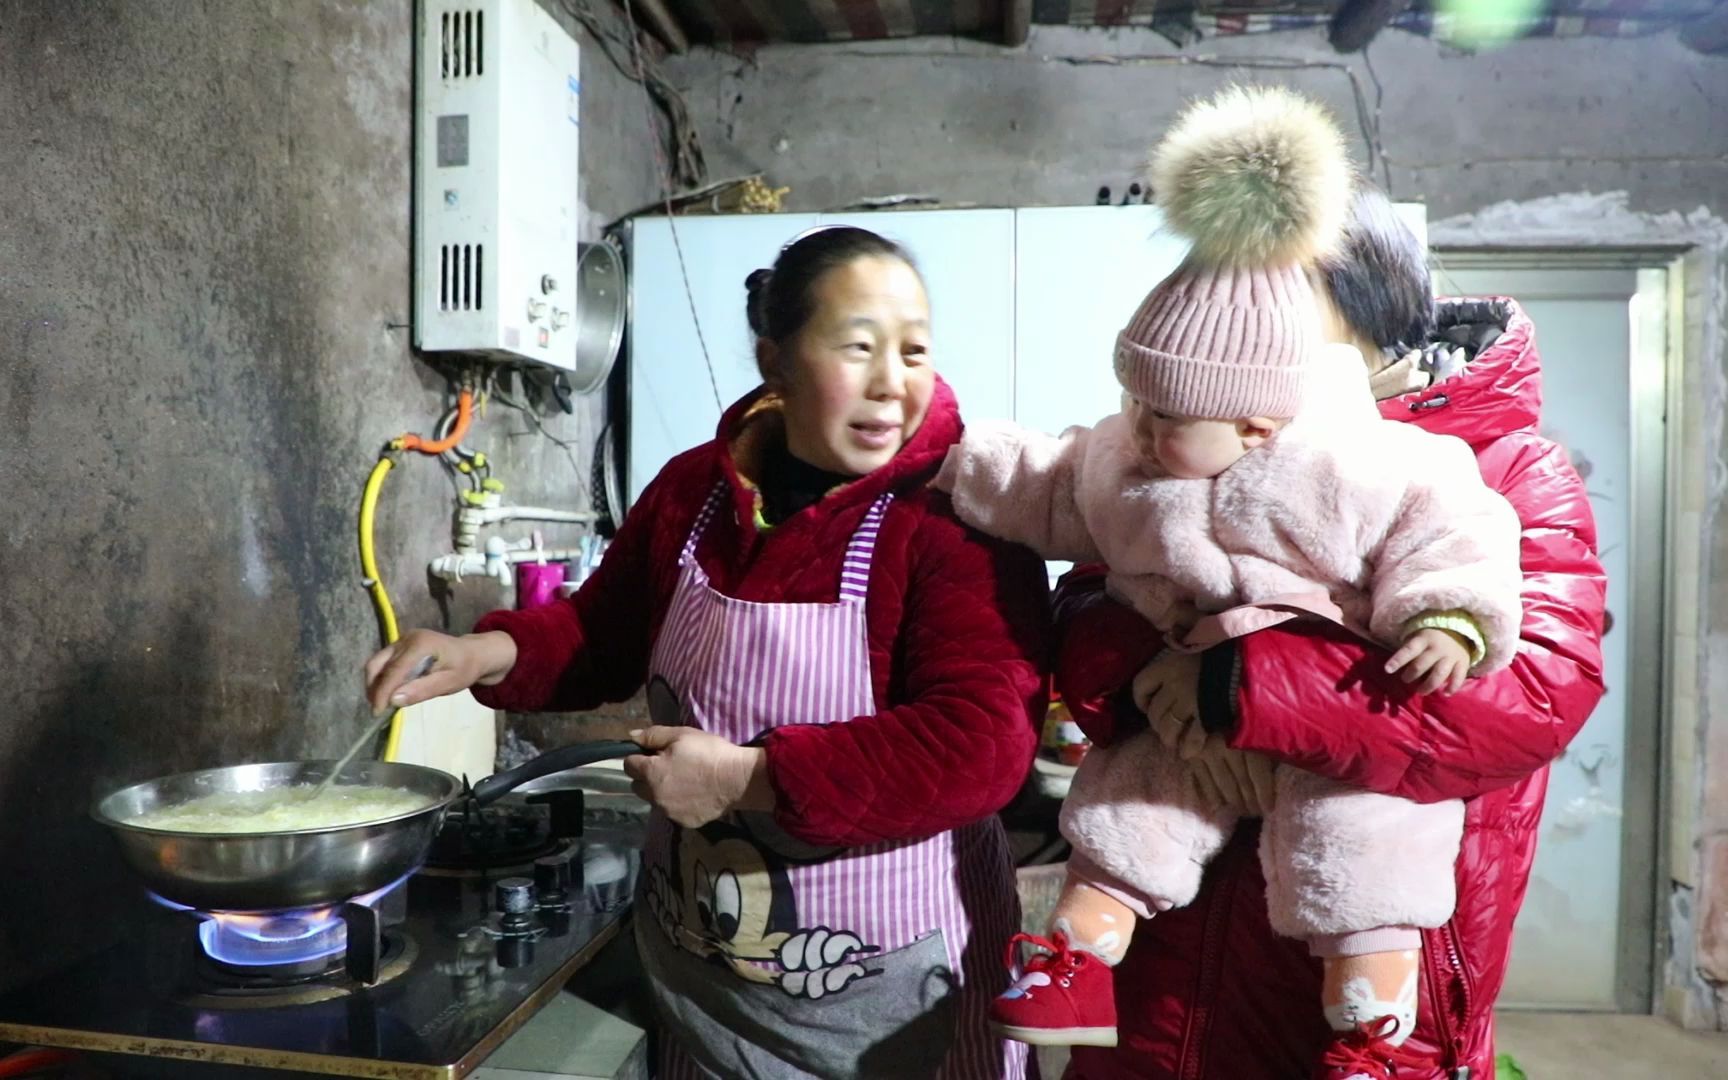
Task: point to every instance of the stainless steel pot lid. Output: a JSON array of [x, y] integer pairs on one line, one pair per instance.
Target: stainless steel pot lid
[[600, 315]]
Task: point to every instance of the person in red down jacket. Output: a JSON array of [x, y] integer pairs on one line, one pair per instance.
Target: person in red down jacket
[[1208, 992], [844, 683]]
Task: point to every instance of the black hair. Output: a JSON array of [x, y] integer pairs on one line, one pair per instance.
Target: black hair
[[1379, 278], [779, 301]]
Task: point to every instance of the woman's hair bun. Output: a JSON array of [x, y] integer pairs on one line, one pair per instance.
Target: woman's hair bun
[[756, 300]]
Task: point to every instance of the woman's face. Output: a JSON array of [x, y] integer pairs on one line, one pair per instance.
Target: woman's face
[[857, 379]]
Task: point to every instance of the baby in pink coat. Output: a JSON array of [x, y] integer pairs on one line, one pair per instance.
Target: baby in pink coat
[[1249, 465]]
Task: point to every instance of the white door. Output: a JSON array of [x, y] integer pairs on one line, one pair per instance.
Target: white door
[[1576, 944], [967, 260], [675, 395], [1082, 272]]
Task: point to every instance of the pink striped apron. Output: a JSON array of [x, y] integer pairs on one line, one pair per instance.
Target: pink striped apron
[[770, 958]]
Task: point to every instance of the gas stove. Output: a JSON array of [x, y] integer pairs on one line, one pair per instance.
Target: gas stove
[[421, 979]]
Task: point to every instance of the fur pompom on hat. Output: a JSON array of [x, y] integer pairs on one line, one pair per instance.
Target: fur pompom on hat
[[1258, 180]]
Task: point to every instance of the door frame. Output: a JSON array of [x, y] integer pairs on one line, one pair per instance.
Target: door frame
[[1656, 381]]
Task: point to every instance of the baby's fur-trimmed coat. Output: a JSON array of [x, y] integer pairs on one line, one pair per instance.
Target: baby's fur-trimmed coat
[[1390, 521]]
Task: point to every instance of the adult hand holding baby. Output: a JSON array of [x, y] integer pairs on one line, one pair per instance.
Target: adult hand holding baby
[[1167, 691]]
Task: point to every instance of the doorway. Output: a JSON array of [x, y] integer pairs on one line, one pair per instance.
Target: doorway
[[1606, 324]]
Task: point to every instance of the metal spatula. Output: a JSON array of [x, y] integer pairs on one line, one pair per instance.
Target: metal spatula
[[370, 735]]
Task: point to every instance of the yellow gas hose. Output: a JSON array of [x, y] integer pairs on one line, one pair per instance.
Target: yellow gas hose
[[375, 583]]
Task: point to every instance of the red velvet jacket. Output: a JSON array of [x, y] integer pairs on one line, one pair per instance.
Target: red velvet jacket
[[1209, 992], [958, 636]]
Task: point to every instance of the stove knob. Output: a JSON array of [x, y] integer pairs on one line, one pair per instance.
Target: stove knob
[[557, 921], [552, 879], [515, 952], [513, 896]]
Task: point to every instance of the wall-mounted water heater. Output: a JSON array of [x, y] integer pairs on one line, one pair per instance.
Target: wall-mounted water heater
[[496, 126]]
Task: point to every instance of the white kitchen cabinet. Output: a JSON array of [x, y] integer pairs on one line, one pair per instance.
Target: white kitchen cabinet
[[967, 259], [1081, 271], [1025, 308], [672, 399]]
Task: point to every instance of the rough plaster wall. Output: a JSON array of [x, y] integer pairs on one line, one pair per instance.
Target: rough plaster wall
[[1049, 123], [1486, 141], [204, 291]]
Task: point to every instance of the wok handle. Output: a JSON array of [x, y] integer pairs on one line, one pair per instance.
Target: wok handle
[[565, 757]]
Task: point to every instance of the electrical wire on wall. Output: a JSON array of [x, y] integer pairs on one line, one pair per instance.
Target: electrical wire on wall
[[528, 410], [687, 167], [1367, 116], [1371, 123], [661, 169]]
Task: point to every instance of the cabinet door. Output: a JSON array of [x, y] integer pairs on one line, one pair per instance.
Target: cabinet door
[[1082, 270], [673, 402], [967, 259]]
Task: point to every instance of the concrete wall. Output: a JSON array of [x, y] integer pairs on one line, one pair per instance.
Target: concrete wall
[[204, 298], [1076, 109], [1524, 146]]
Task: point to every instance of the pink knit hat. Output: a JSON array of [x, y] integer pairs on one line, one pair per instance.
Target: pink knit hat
[[1259, 181], [1222, 343]]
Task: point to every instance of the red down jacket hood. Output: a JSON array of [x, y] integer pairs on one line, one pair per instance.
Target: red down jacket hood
[[1498, 393]]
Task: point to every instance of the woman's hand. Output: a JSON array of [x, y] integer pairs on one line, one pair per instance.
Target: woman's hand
[[458, 663], [695, 777], [1168, 691], [1238, 779]]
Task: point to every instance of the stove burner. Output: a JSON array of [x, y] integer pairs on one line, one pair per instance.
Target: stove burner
[[296, 940], [217, 985], [283, 946], [510, 832]]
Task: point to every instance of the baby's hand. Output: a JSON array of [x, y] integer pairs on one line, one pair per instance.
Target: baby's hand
[[1439, 658]]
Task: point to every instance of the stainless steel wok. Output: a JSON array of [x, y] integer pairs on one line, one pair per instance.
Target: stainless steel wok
[[275, 871]]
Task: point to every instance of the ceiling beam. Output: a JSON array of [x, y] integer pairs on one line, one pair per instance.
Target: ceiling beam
[[1016, 22], [1357, 21], [1707, 33]]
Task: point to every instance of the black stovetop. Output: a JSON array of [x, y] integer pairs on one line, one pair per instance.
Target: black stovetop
[[449, 985]]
